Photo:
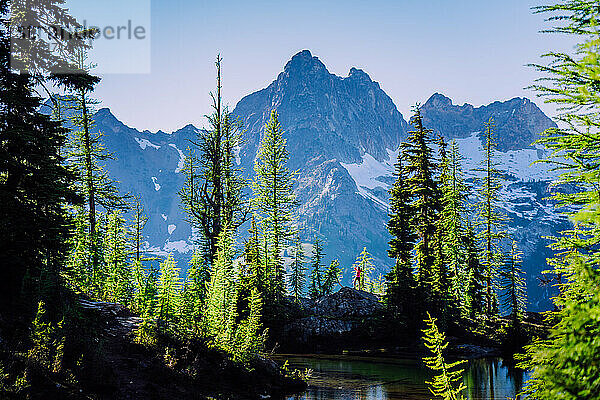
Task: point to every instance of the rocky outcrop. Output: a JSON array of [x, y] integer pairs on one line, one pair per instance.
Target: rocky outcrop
[[341, 318], [518, 122]]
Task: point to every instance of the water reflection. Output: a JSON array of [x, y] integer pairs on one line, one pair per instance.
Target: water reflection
[[371, 378]]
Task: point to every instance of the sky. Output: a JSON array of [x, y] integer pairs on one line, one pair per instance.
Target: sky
[[470, 50]]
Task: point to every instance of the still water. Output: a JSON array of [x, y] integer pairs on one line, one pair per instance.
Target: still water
[[372, 378]]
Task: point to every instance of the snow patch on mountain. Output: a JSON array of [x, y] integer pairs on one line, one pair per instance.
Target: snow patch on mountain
[[180, 246], [171, 228], [144, 143], [518, 163], [181, 162], [368, 172], [156, 185]]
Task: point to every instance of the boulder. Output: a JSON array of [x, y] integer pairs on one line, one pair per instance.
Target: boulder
[[341, 317]]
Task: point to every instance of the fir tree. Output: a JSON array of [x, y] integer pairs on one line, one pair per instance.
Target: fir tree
[[332, 277], [565, 365], [35, 184], [274, 200], [512, 284], [448, 383], [297, 279], [220, 306], [168, 293], [87, 154], [316, 274], [474, 296], [400, 280], [139, 222], [420, 171], [489, 217], [213, 193], [118, 286], [452, 217], [362, 270]]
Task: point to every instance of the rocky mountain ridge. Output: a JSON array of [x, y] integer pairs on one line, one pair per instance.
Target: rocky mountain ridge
[[343, 135]]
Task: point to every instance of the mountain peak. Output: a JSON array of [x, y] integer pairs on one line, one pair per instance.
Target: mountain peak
[[107, 115], [305, 62], [359, 74], [438, 100]]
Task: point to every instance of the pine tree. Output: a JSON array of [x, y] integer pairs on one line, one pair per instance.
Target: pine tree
[[220, 306], [489, 217], [135, 231], [274, 201], [442, 293], [87, 154], [400, 280], [213, 193], [420, 170], [362, 270], [512, 284], [249, 338], [332, 277], [316, 274], [452, 218], [448, 383], [35, 184], [297, 279], [118, 286], [197, 281], [168, 293], [474, 280], [565, 365]]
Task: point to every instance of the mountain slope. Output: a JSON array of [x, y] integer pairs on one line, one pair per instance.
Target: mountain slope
[[343, 135]]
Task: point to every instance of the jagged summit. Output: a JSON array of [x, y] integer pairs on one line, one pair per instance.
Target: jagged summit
[[358, 73], [305, 63], [439, 100]]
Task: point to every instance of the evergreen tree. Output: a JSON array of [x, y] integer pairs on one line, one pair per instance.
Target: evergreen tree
[[168, 293], [564, 366], [442, 293], [198, 277], [249, 338], [316, 274], [139, 222], [332, 277], [448, 383], [35, 184], [400, 280], [87, 154], [297, 279], [512, 284], [213, 193], [452, 218], [362, 270], [473, 277], [420, 171], [118, 286], [489, 217], [274, 200], [220, 306]]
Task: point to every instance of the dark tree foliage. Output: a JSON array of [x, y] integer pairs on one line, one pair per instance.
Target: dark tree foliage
[[400, 280], [420, 169], [34, 185]]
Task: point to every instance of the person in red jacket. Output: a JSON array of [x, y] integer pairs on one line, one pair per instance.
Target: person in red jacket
[[357, 277]]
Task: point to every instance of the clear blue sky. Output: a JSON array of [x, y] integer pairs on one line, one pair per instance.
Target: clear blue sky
[[471, 50]]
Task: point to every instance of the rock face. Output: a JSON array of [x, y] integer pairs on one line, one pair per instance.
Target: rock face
[[342, 317], [518, 121], [343, 135]]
